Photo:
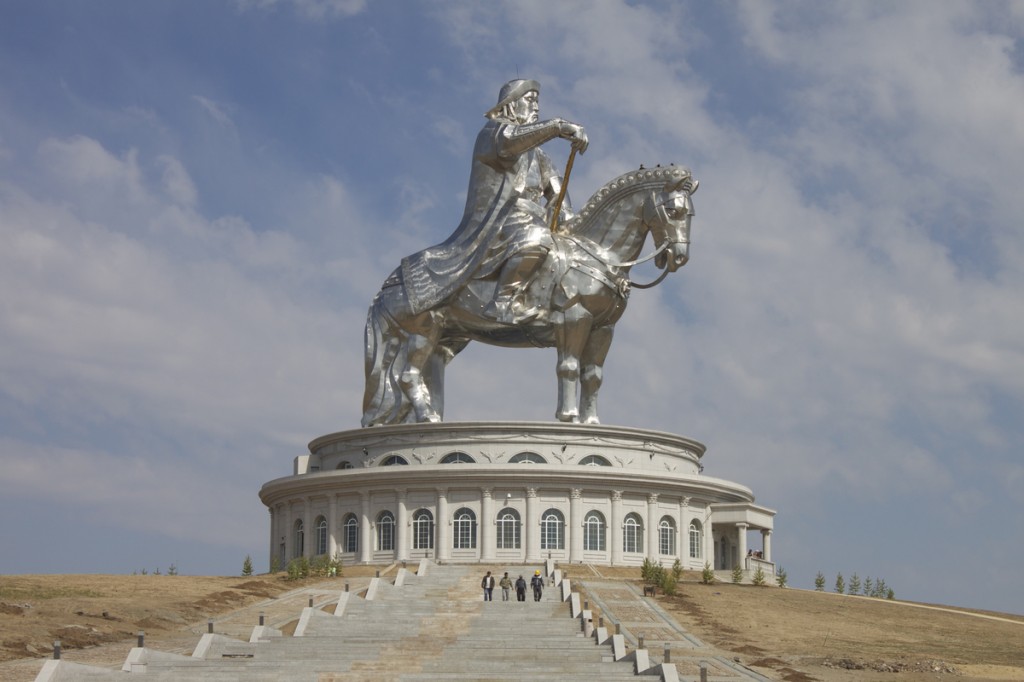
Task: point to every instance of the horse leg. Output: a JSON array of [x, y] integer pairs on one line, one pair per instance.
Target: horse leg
[[419, 351], [571, 333], [592, 373]]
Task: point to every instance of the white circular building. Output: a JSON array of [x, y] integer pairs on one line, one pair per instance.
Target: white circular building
[[494, 492]]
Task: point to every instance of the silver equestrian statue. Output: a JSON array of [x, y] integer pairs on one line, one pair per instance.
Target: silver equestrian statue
[[521, 270]]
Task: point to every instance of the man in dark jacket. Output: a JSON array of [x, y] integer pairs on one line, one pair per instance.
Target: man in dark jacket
[[521, 589], [537, 583]]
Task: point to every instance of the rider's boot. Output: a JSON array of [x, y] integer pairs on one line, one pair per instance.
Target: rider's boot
[[508, 306]]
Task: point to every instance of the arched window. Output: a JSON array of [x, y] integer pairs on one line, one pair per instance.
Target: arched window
[[508, 529], [464, 529], [393, 460], [423, 530], [632, 534], [527, 458], [552, 530], [386, 531], [344, 465], [300, 539], [321, 535], [667, 536], [457, 458], [696, 540], [593, 532], [594, 461], [350, 540]]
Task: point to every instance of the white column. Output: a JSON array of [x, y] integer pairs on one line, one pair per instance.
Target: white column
[[273, 537], [307, 528], [286, 534], [332, 525], [364, 527], [766, 543], [441, 549], [615, 525], [532, 527], [653, 532], [684, 531], [401, 527], [709, 539], [574, 532], [741, 543], [487, 523]]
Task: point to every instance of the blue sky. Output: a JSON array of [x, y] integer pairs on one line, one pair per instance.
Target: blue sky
[[198, 200]]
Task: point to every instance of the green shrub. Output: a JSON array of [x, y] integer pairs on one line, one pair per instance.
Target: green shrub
[[819, 582], [890, 594], [759, 578], [275, 564], [677, 571], [298, 568], [324, 566], [840, 583], [707, 576], [172, 570], [647, 571], [247, 566], [780, 576], [737, 574], [854, 584], [868, 587]]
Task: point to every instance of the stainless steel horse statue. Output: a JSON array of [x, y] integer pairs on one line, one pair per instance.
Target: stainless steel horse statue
[[581, 292]]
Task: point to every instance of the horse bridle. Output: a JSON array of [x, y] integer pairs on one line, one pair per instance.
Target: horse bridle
[[661, 213]]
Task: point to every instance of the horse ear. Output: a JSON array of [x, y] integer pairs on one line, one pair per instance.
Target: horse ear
[[684, 184]]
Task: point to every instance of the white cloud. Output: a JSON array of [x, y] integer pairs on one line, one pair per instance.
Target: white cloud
[[316, 10]]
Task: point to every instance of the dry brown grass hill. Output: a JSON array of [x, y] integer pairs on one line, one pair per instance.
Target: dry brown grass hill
[[786, 634]]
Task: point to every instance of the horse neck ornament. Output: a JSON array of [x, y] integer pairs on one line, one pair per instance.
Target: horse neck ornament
[[583, 293]]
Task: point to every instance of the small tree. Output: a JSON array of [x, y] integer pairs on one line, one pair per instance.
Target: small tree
[[247, 566], [677, 571], [172, 569], [737, 574], [298, 568], [890, 594], [707, 576], [854, 584], [668, 582], [780, 577], [880, 590], [819, 582], [759, 578], [647, 571], [868, 586], [840, 583], [156, 571], [275, 564]]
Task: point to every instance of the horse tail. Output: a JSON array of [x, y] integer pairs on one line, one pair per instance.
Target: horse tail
[[384, 402]]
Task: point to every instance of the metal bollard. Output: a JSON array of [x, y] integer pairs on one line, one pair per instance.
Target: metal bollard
[[586, 604], [378, 573], [261, 618], [142, 639], [668, 655], [703, 672], [346, 587], [640, 642], [618, 628], [209, 625], [310, 602], [56, 649], [600, 621]]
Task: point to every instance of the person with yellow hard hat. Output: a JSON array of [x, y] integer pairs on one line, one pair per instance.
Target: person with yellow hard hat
[[537, 583]]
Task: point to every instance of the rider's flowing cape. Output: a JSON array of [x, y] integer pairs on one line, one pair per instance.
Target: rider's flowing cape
[[437, 272]]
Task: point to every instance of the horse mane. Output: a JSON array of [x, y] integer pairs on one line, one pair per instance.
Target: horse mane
[[627, 183]]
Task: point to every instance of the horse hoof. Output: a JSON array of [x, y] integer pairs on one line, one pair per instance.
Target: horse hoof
[[571, 417], [591, 420]]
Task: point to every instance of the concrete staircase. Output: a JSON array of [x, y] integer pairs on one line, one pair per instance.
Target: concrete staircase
[[423, 627]]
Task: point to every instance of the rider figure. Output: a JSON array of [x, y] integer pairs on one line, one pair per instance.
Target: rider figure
[[504, 228], [525, 236]]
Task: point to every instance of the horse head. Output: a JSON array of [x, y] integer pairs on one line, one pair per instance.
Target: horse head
[[667, 214]]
